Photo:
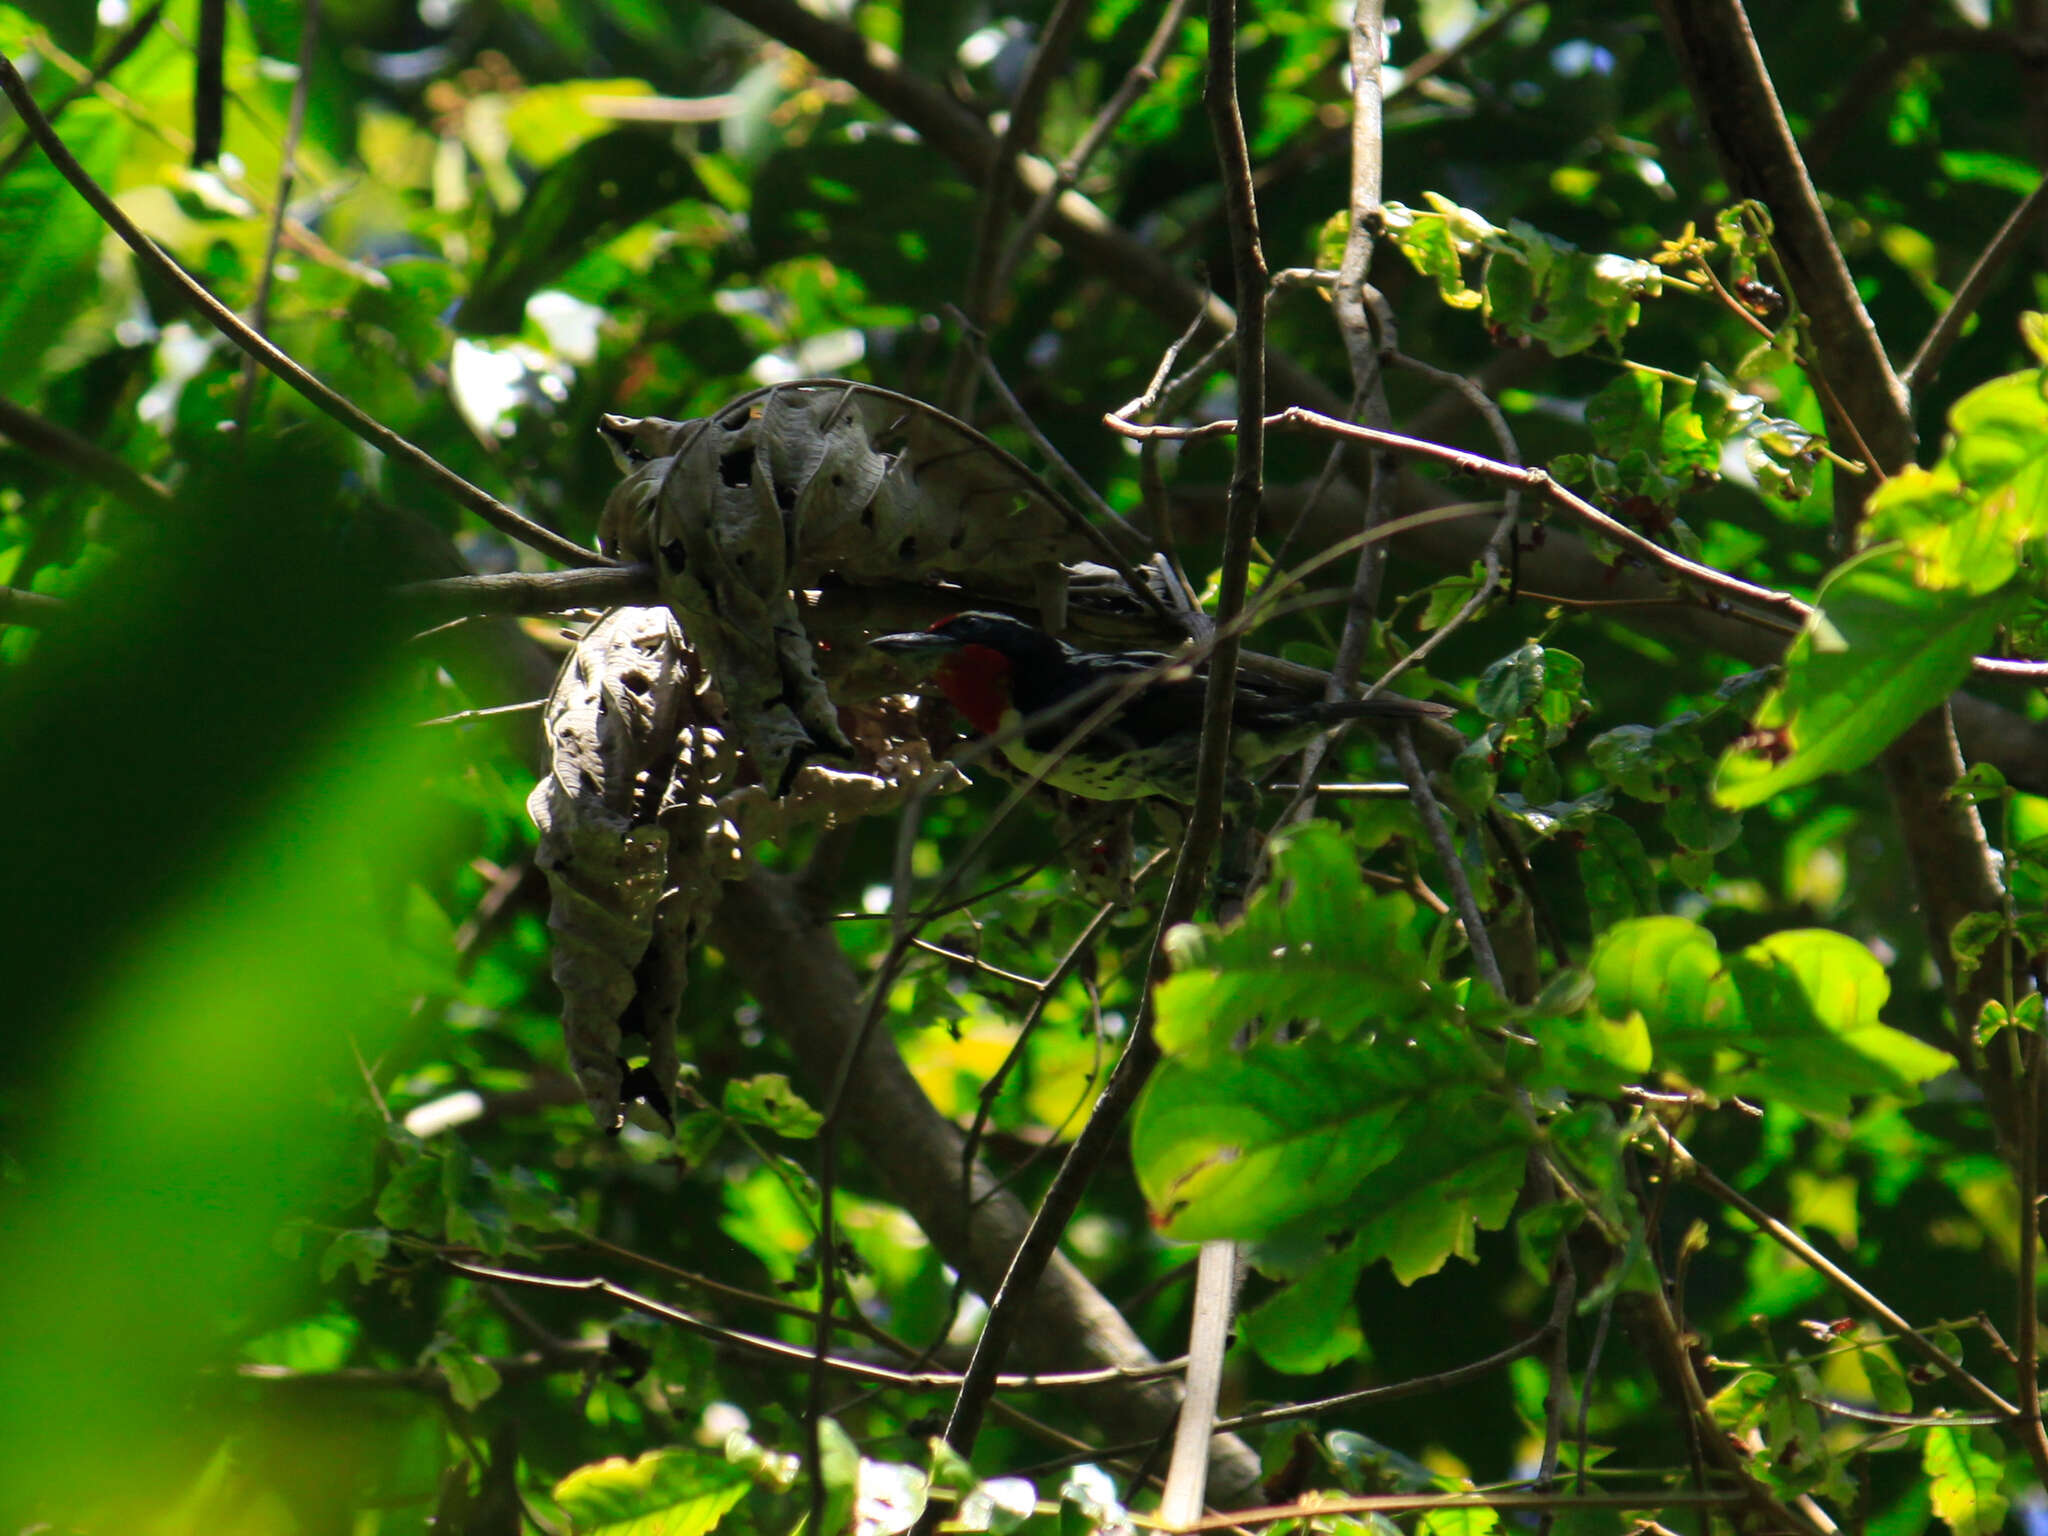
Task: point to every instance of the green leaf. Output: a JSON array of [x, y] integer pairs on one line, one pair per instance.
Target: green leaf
[[890, 1495], [1312, 1323], [1879, 652], [1437, 243], [1794, 1017], [52, 240], [1512, 685], [839, 1465], [1659, 967], [1460, 1522], [1264, 1137], [1089, 1505], [1445, 1187], [1448, 595], [364, 1248], [1001, 1505], [768, 1100], [1616, 872], [1314, 945], [1966, 519], [1964, 1482], [675, 1491], [1887, 1382], [471, 1378], [411, 1198], [546, 122], [1547, 289], [1632, 759], [1586, 1052]]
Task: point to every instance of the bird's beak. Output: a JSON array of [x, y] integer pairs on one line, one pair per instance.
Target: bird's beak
[[918, 645]]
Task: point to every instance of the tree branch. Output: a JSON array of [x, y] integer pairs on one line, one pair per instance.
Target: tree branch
[[1984, 271], [61, 446], [790, 960], [1732, 92], [507, 521]]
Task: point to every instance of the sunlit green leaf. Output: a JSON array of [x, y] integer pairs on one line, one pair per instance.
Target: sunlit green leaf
[[675, 1491], [1878, 653], [1966, 1486], [769, 1101]]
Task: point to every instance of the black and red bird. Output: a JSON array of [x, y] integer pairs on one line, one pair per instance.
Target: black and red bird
[[997, 670]]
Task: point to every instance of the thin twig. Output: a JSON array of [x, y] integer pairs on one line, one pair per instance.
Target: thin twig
[[1586, 1387], [464, 716], [1364, 340], [1021, 419], [1557, 1395], [992, 1089], [1691, 1167], [1367, 1397], [1322, 1506], [1298, 418], [1217, 1273], [507, 521], [1433, 824], [1927, 358], [1019, 137], [577, 1355], [2027, 1327], [209, 82], [61, 446], [35, 609], [796, 1354], [976, 963], [1141, 77], [529, 592], [287, 173]]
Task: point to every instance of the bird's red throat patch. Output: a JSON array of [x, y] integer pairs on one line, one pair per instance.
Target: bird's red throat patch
[[976, 678]]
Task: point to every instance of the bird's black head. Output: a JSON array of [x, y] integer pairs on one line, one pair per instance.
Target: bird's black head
[[1023, 644]]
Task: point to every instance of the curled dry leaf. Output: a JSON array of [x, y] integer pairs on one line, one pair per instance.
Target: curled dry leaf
[[645, 810], [722, 531], [882, 488], [633, 747]]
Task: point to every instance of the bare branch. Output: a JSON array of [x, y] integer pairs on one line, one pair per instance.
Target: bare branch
[[1401, 1503], [36, 609], [512, 592], [61, 446], [797, 1355], [1788, 609], [287, 173], [786, 957], [1976, 283]]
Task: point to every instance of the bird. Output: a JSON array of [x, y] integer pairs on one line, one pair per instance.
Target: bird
[[997, 671]]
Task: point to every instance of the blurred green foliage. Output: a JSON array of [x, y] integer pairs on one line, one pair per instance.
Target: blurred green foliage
[[265, 928]]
